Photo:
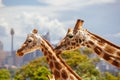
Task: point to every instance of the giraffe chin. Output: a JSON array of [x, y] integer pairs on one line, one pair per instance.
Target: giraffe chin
[[19, 54]]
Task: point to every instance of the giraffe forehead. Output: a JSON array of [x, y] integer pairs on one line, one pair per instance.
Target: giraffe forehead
[[82, 34], [34, 36], [31, 35]]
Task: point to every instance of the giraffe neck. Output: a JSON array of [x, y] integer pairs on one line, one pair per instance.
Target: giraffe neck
[[103, 48], [51, 77], [59, 68]]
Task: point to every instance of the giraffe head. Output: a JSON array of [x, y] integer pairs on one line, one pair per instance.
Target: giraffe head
[[31, 43], [73, 39]]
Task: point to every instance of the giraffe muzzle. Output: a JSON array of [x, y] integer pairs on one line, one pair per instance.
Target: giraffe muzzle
[[19, 53]]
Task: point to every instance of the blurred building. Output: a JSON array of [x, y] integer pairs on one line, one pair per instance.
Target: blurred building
[[9, 59], [47, 36], [2, 55], [12, 32], [1, 45]]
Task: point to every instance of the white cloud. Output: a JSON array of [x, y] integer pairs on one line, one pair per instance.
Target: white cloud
[[23, 21], [74, 4], [29, 21], [117, 35], [1, 4], [102, 1]]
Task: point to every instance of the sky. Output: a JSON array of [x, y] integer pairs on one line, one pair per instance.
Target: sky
[[101, 17]]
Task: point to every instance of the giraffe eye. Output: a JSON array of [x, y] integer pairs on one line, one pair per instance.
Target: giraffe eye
[[29, 40], [70, 36]]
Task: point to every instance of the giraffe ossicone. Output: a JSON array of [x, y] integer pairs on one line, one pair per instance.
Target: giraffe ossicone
[[82, 37], [35, 31], [59, 68]]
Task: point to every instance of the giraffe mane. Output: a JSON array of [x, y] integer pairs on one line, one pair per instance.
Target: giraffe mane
[[104, 40], [48, 43]]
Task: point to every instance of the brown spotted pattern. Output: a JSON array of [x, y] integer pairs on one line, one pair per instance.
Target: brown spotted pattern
[[98, 50], [118, 54], [64, 74], [110, 49]]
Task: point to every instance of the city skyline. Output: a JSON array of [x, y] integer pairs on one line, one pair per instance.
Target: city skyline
[[101, 17]]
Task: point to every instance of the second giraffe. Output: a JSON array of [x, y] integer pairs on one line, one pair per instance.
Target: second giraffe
[[79, 37]]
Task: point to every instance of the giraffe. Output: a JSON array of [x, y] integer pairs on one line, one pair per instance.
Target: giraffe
[[78, 37], [58, 67]]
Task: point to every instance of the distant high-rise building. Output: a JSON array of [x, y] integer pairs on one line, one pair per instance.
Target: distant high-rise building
[[47, 36], [1, 45], [12, 38], [2, 55]]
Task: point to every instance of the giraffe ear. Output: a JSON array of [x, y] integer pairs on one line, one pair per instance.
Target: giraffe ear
[[35, 31], [78, 25], [70, 33], [70, 30]]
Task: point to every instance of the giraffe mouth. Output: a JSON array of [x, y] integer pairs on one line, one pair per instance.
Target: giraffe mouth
[[19, 53]]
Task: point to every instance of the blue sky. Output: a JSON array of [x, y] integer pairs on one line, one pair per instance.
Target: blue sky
[[101, 17]]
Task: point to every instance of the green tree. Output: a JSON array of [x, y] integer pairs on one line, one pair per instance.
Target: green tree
[[81, 64], [41, 74], [4, 74], [109, 76], [119, 76], [88, 51], [32, 70]]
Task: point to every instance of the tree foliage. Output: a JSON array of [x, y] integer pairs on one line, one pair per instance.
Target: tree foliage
[[41, 74], [87, 51], [4, 74], [109, 76], [35, 70], [81, 64]]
